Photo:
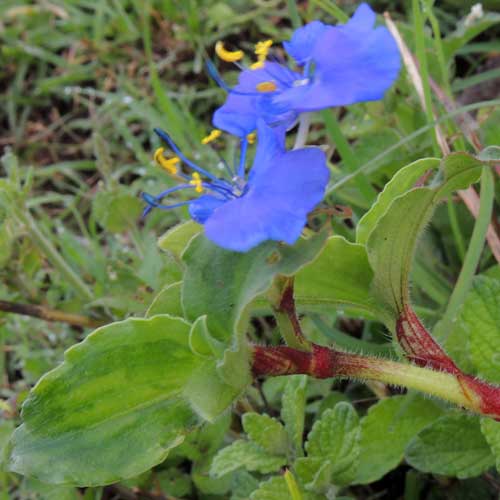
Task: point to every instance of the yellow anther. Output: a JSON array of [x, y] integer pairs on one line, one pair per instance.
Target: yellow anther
[[227, 55], [266, 87], [262, 48], [170, 164], [215, 134], [251, 138], [261, 51], [197, 182], [257, 65]]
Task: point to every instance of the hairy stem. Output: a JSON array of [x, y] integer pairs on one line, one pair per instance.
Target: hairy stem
[[323, 362], [281, 297]]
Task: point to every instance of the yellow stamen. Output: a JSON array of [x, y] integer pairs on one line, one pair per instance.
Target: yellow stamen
[[261, 51], [227, 55], [262, 48], [266, 87], [170, 164], [197, 182], [251, 137], [215, 134], [257, 65]]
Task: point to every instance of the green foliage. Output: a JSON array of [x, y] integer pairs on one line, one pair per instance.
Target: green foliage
[[292, 411], [119, 362], [266, 431], [392, 243], [315, 290], [452, 445], [480, 317], [168, 405], [333, 443], [386, 431]]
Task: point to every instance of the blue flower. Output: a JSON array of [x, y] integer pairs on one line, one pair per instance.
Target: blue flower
[[270, 203], [340, 65]]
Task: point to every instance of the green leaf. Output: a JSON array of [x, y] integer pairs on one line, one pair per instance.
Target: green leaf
[[339, 277], [176, 239], [453, 445], [335, 437], [248, 455], [116, 210], [206, 483], [175, 482], [113, 409], [386, 430], [276, 488], [480, 319], [392, 242], [293, 410], [272, 489], [242, 485], [491, 431], [168, 301], [402, 182], [490, 154], [315, 473], [267, 432], [221, 283]]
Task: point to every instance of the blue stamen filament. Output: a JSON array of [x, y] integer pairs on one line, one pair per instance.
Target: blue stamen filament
[[219, 187], [243, 154]]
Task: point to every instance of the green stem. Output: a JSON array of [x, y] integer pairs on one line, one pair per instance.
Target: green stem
[[424, 70], [436, 383], [455, 229], [54, 257], [474, 251], [333, 128], [287, 330]]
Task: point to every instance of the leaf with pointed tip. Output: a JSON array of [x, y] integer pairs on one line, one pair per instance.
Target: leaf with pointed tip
[[392, 242], [403, 181], [176, 239]]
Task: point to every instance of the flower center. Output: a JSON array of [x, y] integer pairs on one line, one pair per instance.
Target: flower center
[[266, 86]]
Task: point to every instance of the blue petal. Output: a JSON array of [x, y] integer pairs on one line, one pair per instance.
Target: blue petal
[[363, 19], [238, 115], [270, 143], [202, 208], [277, 202], [303, 41], [353, 63]]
